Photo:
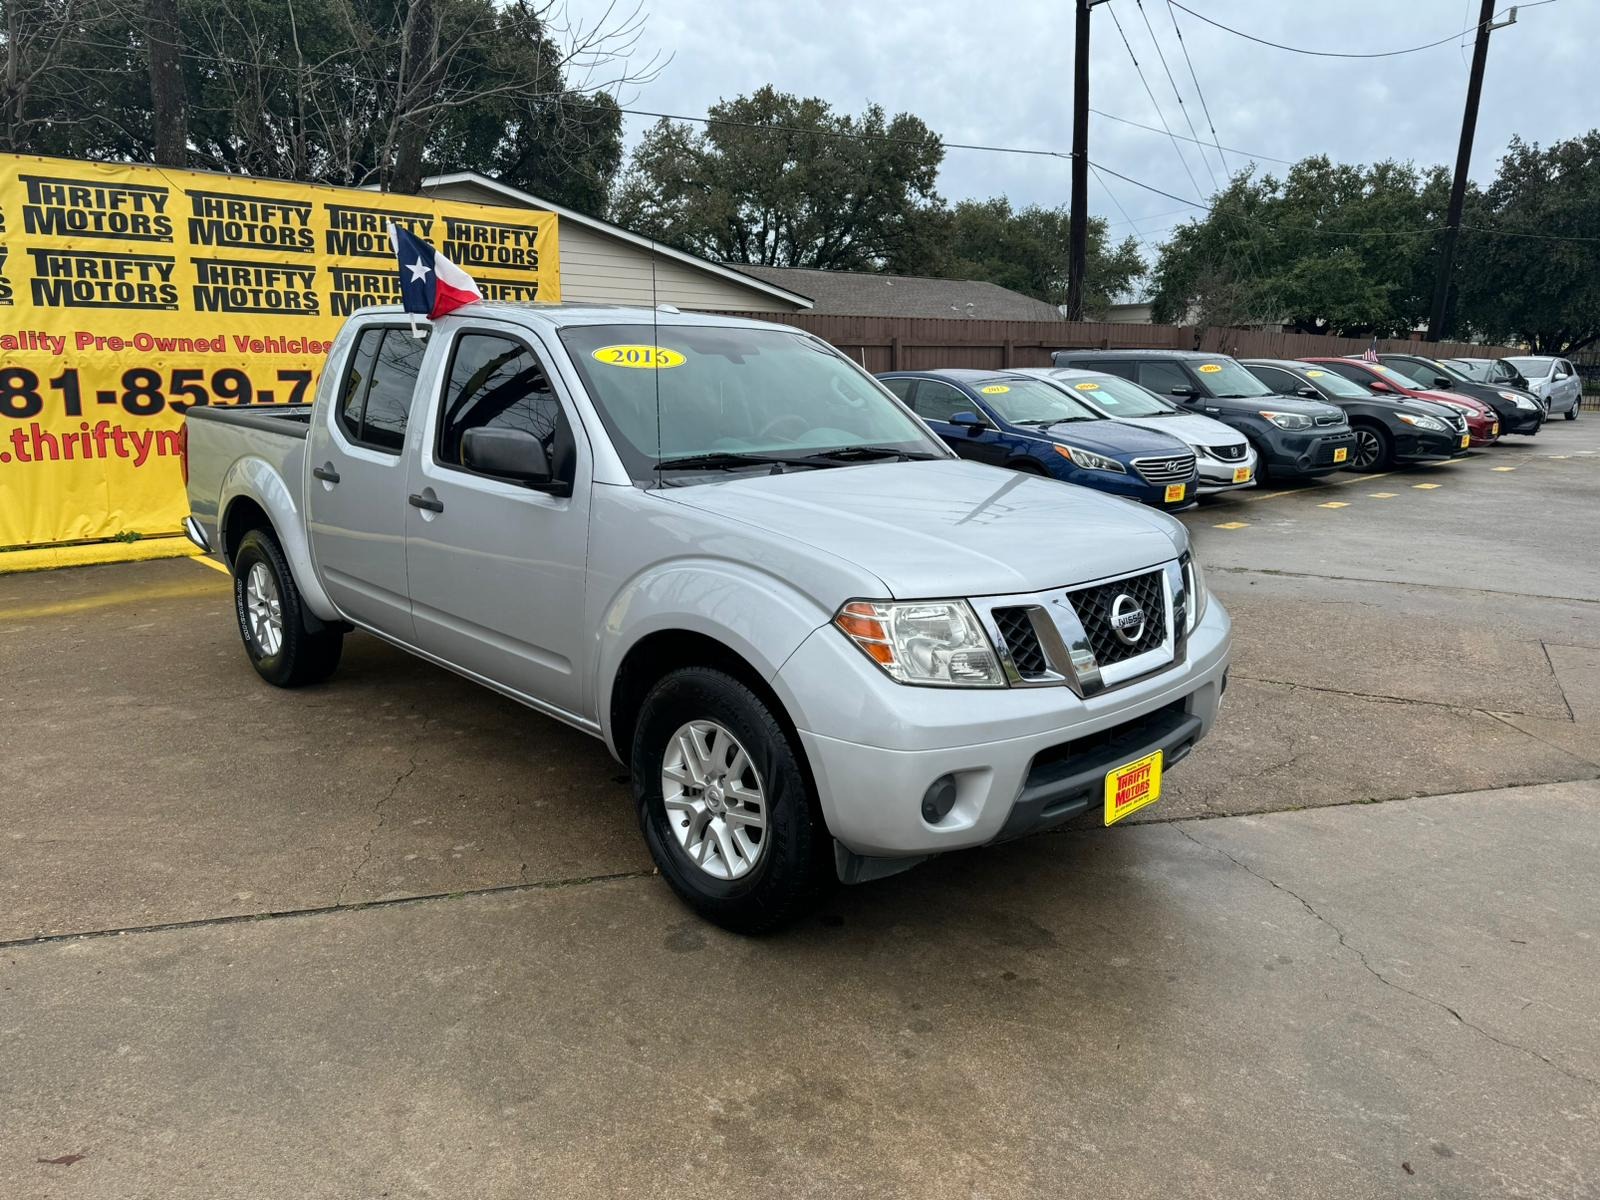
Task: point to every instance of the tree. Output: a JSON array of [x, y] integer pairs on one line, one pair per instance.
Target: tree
[[781, 181], [1529, 261], [1027, 250]]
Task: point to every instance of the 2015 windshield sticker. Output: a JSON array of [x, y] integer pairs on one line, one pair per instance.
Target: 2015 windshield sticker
[[994, 389], [1209, 368], [1086, 386], [647, 357]]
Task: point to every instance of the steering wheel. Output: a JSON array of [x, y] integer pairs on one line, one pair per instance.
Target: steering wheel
[[784, 421]]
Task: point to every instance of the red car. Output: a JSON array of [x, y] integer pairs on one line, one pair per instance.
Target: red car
[[1482, 422]]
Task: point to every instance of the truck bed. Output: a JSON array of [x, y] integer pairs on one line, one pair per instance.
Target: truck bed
[[262, 443], [288, 420]]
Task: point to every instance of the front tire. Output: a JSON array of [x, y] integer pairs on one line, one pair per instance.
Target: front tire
[[724, 804], [1572, 413], [1373, 450], [273, 619]]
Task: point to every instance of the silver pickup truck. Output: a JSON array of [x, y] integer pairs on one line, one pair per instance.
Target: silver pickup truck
[[825, 647]]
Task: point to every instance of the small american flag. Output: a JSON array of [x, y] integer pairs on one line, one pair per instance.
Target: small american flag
[[1371, 354]]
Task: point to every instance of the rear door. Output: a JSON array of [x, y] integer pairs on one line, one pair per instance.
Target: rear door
[[497, 568], [936, 402], [1569, 384], [356, 498]]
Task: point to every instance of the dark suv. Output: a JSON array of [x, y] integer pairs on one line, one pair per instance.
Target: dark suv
[[1291, 435]]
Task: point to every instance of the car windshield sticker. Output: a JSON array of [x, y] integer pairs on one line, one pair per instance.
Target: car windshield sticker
[[1086, 386], [1209, 368], [1315, 374], [638, 356], [994, 389]]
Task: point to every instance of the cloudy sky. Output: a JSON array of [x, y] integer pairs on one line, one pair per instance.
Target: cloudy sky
[[1000, 73]]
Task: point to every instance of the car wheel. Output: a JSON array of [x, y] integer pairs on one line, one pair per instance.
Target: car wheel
[[272, 618], [725, 806], [1373, 449], [1572, 413]]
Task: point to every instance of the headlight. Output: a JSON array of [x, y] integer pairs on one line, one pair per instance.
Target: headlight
[[1422, 422], [1089, 460], [1194, 585], [1519, 401], [1285, 420], [932, 642]]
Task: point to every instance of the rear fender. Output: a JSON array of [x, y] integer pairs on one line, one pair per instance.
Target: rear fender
[[256, 479]]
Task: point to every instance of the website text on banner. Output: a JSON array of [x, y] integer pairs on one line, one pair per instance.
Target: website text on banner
[[129, 293]]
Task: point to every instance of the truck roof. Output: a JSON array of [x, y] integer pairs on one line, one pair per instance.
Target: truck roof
[[561, 315]]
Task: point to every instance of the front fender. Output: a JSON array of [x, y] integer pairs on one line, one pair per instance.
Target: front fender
[[256, 479], [754, 613]]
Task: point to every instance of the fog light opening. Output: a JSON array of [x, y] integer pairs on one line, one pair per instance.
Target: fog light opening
[[939, 799]]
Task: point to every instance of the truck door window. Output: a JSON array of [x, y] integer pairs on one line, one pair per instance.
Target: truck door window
[[381, 379], [499, 383]]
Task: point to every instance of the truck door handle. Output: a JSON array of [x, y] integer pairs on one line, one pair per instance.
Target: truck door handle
[[430, 503], [326, 474]]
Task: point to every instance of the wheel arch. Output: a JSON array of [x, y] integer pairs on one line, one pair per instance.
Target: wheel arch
[[255, 496]]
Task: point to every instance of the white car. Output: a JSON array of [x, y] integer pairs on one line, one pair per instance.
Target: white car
[[1553, 380], [1224, 458]]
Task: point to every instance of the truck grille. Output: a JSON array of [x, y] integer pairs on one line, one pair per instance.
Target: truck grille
[[1177, 469], [1094, 605], [1227, 453], [1016, 630]]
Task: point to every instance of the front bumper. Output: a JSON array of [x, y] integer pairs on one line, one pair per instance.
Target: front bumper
[[1021, 757], [1220, 475], [1309, 453], [1133, 486], [1521, 421], [1413, 445]]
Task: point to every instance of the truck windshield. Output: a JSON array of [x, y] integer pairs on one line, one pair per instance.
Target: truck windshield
[[1227, 380], [702, 396], [1115, 396]]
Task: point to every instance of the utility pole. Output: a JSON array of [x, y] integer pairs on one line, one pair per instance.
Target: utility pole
[[1458, 189], [1078, 228]]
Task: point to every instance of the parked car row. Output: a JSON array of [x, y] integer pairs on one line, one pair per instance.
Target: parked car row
[[1165, 427]]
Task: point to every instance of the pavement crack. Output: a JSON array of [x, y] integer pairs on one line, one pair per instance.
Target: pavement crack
[[1366, 964], [1551, 663], [1404, 583], [372, 836], [1379, 696]]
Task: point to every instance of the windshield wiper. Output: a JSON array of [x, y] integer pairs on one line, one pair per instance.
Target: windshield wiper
[[721, 460], [865, 453], [1045, 424]]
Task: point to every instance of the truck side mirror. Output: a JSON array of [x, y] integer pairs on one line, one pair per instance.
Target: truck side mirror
[[970, 421], [511, 454]]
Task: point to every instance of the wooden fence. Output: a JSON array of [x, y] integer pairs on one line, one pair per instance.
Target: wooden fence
[[925, 343]]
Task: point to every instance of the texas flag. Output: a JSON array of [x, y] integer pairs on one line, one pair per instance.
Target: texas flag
[[430, 284]]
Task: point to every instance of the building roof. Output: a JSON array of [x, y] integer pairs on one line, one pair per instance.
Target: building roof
[[516, 196], [866, 294]]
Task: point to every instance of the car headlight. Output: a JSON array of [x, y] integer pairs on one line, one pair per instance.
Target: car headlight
[[1519, 401], [1194, 586], [1422, 422], [1285, 420], [938, 643], [1089, 460]]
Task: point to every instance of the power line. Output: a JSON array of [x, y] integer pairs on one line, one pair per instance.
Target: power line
[[1106, 188], [1152, 129], [1159, 114], [1335, 53], [1204, 107], [1182, 108]]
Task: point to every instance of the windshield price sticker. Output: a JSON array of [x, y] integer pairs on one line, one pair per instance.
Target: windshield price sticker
[[1087, 386], [994, 389], [647, 357], [1209, 368], [1315, 374]]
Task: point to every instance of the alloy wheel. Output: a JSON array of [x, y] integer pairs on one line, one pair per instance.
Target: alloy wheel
[[1369, 449], [714, 800], [264, 607]]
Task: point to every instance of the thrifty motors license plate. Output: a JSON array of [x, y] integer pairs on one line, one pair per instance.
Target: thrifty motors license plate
[[1494, 430], [1241, 474], [1130, 788], [1341, 454], [1466, 439], [1175, 492]]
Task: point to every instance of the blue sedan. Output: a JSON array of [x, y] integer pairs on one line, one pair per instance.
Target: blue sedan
[[1016, 421]]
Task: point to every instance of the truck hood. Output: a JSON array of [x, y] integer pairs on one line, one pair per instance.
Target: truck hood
[[1190, 428], [947, 527]]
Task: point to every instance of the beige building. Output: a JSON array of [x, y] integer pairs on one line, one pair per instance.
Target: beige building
[[602, 263]]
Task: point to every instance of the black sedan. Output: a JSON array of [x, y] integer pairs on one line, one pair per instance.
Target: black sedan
[[1388, 429], [1519, 412]]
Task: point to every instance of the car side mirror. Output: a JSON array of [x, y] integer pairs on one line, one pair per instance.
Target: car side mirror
[[1309, 392], [970, 421], [1186, 394], [1378, 385], [1441, 381], [510, 454]]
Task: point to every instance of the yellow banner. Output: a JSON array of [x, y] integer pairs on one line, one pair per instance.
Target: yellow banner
[[129, 293]]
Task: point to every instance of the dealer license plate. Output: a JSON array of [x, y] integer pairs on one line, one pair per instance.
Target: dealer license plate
[[1494, 430], [1130, 788], [1175, 492], [1241, 474], [1341, 454], [1466, 439]]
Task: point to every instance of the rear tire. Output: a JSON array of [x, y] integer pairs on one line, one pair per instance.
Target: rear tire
[[724, 804], [1374, 450], [1572, 413], [273, 619]]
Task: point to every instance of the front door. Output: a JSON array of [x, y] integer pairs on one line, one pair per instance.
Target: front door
[[936, 402], [497, 568], [356, 497]]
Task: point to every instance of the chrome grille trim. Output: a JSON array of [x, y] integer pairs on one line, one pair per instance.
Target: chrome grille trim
[[1228, 453], [1176, 468]]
